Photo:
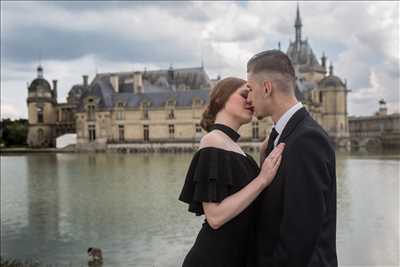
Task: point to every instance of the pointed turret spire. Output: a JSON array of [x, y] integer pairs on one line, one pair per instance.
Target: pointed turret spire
[[298, 25], [331, 69]]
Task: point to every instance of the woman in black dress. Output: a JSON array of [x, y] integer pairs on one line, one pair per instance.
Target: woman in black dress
[[222, 181]]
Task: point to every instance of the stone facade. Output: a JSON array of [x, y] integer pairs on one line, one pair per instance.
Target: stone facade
[[376, 131], [165, 106]]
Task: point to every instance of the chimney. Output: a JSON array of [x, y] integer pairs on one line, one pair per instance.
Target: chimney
[[323, 61], [85, 80], [331, 69], [114, 82], [55, 89], [171, 74], [137, 82]]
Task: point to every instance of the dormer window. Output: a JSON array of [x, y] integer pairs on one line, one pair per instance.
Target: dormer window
[[197, 102], [171, 102]]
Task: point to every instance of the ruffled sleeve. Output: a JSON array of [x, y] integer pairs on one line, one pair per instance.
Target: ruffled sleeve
[[209, 179]]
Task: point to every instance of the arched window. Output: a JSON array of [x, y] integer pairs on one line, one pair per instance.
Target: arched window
[[40, 114], [255, 133]]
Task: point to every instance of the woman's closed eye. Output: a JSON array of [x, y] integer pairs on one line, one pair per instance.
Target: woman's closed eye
[[244, 94]]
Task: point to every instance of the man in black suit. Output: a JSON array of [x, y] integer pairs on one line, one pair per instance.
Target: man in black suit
[[296, 224]]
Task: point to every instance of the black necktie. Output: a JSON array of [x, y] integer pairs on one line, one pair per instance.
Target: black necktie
[[271, 139]]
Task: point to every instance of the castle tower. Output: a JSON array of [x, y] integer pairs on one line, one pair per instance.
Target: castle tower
[[302, 56], [298, 26], [333, 94], [382, 108], [42, 113]]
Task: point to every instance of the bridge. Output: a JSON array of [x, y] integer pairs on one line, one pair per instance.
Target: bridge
[[377, 131]]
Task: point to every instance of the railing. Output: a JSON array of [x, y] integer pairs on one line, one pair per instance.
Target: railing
[[169, 141], [161, 141]]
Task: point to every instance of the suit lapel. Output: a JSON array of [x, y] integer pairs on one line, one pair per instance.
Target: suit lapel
[[297, 117]]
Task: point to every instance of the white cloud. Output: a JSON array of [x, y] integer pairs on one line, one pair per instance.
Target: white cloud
[[10, 111], [362, 39]]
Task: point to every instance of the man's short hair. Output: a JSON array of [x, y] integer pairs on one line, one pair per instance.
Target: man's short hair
[[271, 61]]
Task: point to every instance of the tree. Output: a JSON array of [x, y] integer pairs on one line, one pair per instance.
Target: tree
[[13, 133]]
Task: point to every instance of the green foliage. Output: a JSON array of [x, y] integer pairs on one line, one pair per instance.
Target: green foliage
[[13, 133], [16, 263]]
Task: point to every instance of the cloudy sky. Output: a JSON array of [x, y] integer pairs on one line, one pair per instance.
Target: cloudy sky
[[75, 38]]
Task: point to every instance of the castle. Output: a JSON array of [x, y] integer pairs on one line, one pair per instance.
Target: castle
[[165, 106]]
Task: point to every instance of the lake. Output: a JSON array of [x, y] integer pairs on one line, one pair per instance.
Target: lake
[[55, 206]]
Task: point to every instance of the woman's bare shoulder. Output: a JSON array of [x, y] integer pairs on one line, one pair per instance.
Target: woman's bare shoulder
[[213, 139]]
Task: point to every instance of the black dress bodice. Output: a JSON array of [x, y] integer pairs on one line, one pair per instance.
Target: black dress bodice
[[213, 175]]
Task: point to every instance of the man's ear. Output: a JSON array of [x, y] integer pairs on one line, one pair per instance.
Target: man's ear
[[267, 87]]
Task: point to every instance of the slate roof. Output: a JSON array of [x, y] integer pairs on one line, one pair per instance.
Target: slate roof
[[331, 80], [158, 88], [160, 99], [304, 57], [39, 82]]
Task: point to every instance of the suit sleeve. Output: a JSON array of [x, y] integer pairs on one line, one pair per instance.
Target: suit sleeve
[[308, 180]]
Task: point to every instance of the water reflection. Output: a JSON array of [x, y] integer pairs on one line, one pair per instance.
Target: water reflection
[[343, 202], [55, 206]]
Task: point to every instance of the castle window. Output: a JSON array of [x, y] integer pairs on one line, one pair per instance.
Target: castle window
[[121, 133], [255, 131], [171, 102], [92, 133], [171, 130], [196, 102], [198, 128], [145, 115], [171, 114], [40, 135], [120, 115], [146, 133], [91, 112], [40, 114], [320, 96]]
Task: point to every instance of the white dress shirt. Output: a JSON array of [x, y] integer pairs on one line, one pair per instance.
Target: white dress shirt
[[281, 123]]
